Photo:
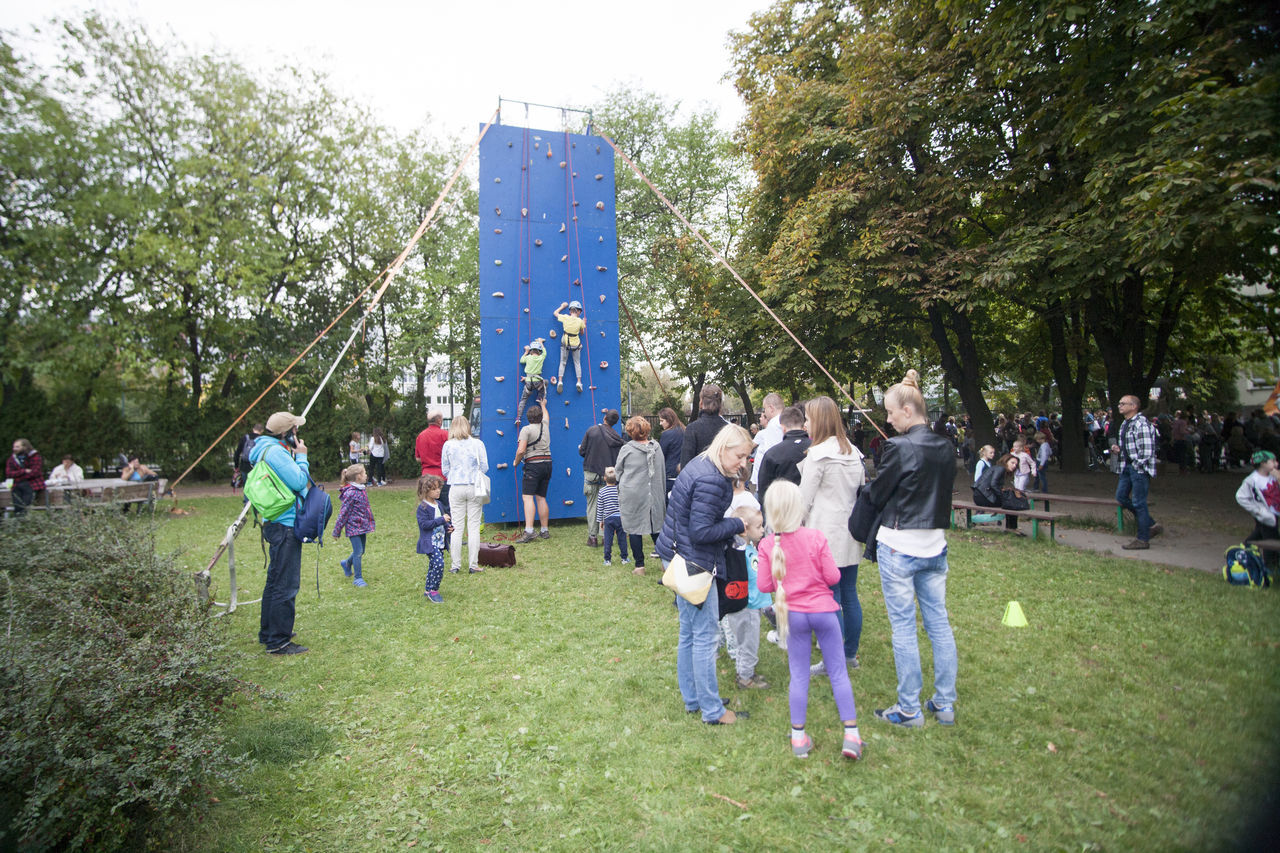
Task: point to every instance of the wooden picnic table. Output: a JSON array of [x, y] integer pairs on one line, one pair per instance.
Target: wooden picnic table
[[1088, 500], [95, 491]]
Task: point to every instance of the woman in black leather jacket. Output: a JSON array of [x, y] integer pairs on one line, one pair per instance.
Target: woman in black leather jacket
[[913, 494]]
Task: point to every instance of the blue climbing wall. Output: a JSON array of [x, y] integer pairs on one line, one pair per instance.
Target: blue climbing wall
[[547, 235]]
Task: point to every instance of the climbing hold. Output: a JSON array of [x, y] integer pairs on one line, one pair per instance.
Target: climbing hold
[[499, 331], [575, 174], [497, 262], [552, 333], [497, 231], [497, 180], [537, 242], [599, 177], [568, 472], [599, 205], [498, 294], [499, 378], [602, 269], [502, 411], [602, 333], [501, 465], [498, 211], [524, 280], [604, 365], [568, 503], [575, 202], [600, 239], [508, 144], [602, 300], [578, 282], [551, 379], [575, 217], [592, 387], [548, 152], [561, 227], [536, 144], [562, 164], [566, 423], [526, 310], [524, 211], [597, 149], [499, 432], [564, 258]]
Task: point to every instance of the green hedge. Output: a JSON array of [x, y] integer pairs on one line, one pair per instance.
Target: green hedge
[[113, 681]]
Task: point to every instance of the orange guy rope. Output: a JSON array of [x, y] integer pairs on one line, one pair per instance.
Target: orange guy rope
[[636, 332], [719, 257]]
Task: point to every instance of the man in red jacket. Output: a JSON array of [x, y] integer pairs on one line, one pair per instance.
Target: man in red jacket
[[427, 451]]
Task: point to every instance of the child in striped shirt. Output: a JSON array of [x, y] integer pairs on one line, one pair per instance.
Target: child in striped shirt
[[609, 517]]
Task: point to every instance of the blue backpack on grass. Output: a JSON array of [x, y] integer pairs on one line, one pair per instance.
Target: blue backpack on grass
[[1245, 567]]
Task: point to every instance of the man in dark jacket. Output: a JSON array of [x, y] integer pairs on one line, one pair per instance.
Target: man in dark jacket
[[698, 435], [599, 451], [782, 461], [242, 463]]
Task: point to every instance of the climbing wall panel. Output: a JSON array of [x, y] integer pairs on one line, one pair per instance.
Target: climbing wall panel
[[547, 235]]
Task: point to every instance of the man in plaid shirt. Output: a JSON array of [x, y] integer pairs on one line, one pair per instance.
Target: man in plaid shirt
[[1137, 452]]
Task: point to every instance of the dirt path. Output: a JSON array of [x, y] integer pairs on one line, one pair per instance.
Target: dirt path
[[1198, 511]]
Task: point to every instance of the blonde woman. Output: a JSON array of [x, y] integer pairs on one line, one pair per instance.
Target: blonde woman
[[912, 493], [696, 528], [830, 476], [463, 460], [796, 563]]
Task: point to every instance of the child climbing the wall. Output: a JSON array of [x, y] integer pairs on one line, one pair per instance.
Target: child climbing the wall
[[356, 517], [796, 564], [574, 326], [432, 526], [531, 364]]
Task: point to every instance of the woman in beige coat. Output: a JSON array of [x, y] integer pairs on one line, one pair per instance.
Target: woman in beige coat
[[830, 476]]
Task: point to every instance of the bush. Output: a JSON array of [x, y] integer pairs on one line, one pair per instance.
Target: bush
[[113, 678]]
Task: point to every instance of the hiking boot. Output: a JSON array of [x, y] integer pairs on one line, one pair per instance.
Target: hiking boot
[[944, 714], [800, 748], [289, 648], [755, 682], [852, 747], [1156, 530], [545, 534], [1135, 545], [593, 542], [527, 536], [895, 717]]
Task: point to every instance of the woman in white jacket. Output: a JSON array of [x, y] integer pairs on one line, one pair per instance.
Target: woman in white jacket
[[830, 477]]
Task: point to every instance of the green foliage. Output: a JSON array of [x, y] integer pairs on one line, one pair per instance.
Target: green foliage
[[114, 684]]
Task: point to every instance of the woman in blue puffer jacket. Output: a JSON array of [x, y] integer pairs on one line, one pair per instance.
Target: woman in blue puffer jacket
[[695, 528]]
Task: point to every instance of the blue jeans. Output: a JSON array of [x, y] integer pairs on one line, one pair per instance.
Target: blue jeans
[[284, 576], [846, 596], [613, 527], [357, 551], [696, 656], [1131, 493], [906, 580]]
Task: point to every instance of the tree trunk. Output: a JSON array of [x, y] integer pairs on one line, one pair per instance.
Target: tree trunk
[[962, 367], [1071, 383], [696, 383], [745, 396]]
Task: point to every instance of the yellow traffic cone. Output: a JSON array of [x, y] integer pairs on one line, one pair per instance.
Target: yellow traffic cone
[[1013, 617]]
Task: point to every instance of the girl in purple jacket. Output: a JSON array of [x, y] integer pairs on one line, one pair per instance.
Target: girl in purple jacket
[[356, 517]]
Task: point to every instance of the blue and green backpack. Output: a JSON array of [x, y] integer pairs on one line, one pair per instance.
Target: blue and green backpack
[[1245, 567]]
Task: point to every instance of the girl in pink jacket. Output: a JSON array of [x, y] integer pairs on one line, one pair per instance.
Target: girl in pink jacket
[[356, 516], [796, 562]]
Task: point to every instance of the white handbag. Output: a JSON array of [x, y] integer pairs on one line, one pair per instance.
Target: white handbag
[[692, 588], [482, 488]]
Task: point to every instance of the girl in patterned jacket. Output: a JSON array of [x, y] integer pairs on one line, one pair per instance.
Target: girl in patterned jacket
[[356, 517]]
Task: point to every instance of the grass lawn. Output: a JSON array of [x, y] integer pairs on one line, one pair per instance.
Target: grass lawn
[[537, 708]]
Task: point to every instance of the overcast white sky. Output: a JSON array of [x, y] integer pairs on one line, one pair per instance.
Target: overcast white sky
[[453, 60]]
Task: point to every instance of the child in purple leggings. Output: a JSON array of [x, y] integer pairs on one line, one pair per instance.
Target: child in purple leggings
[[796, 563]]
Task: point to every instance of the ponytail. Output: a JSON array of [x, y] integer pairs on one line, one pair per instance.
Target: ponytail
[[778, 568]]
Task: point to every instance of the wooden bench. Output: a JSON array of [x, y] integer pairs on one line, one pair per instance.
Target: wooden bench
[[1087, 500], [1036, 516], [1266, 544]]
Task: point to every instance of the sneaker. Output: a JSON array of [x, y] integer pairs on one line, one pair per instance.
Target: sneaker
[[289, 648], [359, 582], [545, 534], [626, 561], [434, 597], [852, 748], [755, 682], [579, 386], [819, 668], [559, 387], [527, 536], [608, 562], [346, 568], [894, 716], [800, 748], [655, 555], [1135, 545], [475, 570], [1156, 530], [772, 637], [453, 571], [853, 662], [945, 715]]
